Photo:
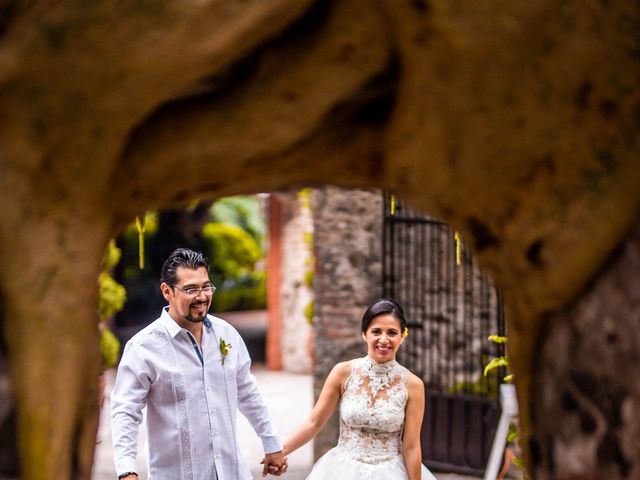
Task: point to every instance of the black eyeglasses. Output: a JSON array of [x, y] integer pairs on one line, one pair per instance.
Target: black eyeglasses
[[193, 291]]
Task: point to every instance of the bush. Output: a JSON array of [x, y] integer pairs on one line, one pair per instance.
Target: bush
[[233, 252], [243, 211], [245, 293], [111, 299], [109, 348], [112, 296]]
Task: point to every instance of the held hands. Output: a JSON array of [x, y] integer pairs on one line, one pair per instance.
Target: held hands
[[274, 463]]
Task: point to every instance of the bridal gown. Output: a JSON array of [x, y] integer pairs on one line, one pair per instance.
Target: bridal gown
[[371, 420]]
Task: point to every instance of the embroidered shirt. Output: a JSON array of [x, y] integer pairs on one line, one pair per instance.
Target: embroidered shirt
[[191, 399]]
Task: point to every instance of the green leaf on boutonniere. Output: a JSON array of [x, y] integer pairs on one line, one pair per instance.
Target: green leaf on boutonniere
[[224, 349]]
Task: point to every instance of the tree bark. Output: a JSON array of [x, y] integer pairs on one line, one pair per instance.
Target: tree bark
[[52, 336], [517, 123], [587, 376]]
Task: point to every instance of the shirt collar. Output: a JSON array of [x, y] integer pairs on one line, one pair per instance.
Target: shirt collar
[[169, 323], [172, 326]]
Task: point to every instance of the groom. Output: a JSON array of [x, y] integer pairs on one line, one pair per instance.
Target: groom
[[191, 371]]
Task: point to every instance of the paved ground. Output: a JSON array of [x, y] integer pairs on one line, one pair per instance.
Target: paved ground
[[289, 397]]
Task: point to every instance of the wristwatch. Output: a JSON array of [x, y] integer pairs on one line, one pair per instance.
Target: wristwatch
[[126, 474]]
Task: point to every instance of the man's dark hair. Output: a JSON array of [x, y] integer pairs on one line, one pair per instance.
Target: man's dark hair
[[181, 257]]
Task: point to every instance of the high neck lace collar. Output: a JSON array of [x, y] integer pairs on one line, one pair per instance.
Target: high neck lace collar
[[379, 368]]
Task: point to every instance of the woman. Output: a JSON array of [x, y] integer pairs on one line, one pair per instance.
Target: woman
[[381, 408]]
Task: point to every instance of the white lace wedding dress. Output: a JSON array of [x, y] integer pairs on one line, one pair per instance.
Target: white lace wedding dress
[[371, 420]]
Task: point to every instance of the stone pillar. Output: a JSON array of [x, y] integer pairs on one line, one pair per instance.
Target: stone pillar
[[296, 295], [347, 247], [290, 258]]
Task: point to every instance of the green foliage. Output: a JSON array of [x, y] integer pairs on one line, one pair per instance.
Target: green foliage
[[149, 224], [485, 385], [308, 312], [308, 278], [111, 256], [518, 462], [496, 363], [111, 299], [499, 361], [497, 339], [308, 240], [111, 295], [236, 237], [243, 211], [513, 433], [131, 239], [304, 198], [234, 252], [109, 348], [245, 293], [232, 240]]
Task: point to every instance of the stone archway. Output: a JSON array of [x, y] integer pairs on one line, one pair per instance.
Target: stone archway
[[517, 125]]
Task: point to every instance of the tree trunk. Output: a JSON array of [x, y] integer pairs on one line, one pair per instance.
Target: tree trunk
[[51, 327], [517, 124], [587, 400]]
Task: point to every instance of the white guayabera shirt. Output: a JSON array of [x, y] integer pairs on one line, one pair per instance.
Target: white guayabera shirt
[[191, 403]]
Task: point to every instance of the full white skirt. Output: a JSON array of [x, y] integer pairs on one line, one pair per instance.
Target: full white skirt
[[335, 464]]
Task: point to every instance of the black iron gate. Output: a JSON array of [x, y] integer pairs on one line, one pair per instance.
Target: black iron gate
[[451, 309]]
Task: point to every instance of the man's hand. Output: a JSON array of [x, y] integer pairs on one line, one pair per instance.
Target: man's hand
[[274, 463]]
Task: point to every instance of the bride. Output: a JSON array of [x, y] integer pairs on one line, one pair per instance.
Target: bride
[[381, 408]]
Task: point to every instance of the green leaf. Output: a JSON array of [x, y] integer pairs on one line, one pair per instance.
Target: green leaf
[[497, 339], [496, 363]]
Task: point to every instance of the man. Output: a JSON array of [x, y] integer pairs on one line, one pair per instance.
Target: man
[[191, 371]]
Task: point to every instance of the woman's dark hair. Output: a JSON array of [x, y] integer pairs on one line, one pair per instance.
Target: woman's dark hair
[[383, 306], [181, 257]]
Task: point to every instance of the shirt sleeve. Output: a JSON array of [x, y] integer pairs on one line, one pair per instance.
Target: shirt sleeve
[[128, 398], [251, 404]]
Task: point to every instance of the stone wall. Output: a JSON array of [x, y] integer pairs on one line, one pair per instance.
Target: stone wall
[[347, 247]]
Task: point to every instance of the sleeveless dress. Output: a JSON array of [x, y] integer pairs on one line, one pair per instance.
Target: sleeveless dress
[[372, 411]]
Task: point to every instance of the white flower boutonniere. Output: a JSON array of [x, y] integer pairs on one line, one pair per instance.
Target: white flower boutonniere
[[224, 349]]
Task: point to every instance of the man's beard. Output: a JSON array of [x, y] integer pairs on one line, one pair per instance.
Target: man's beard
[[199, 318]]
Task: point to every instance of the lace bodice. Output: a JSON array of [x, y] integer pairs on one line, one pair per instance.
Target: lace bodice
[[372, 411]]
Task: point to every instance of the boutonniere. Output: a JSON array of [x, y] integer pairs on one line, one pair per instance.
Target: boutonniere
[[224, 349]]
